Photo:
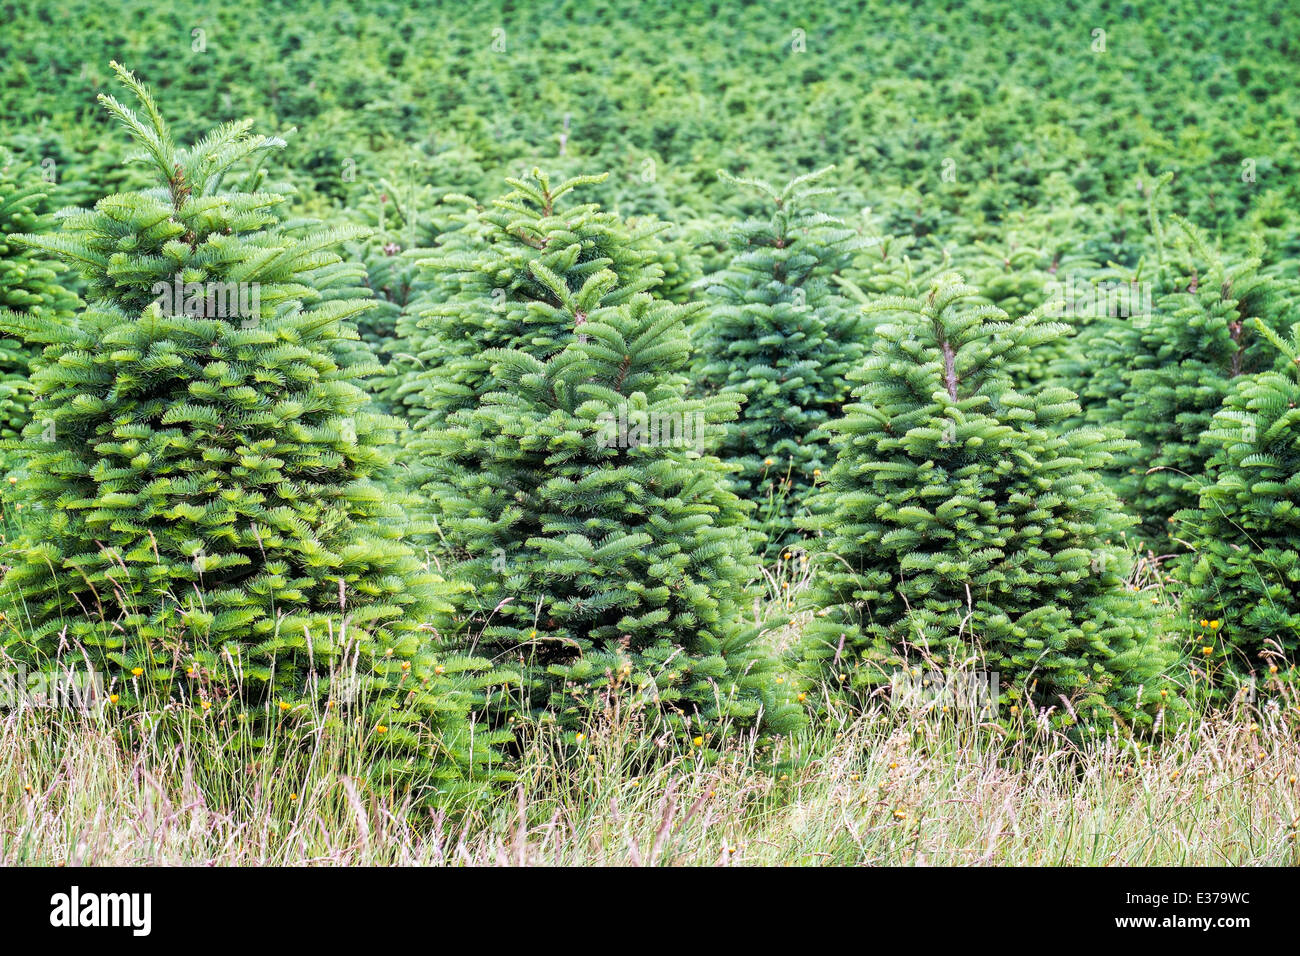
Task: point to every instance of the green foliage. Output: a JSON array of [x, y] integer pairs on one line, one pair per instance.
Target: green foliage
[[1016, 99], [29, 285], [961, 526], [208, 521], [1244, 572], [1037, 265], [1162, 372], [606, 552], [404, 212], [976, 137], [780, 339], [523, 274]]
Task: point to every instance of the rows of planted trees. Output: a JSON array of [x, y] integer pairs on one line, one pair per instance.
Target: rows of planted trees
[[479, 464]]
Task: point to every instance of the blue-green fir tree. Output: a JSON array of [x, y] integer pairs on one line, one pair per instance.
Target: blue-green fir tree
[[1242, 604], [962, 528], [778, 335], [1159, 362], [495, 285], [208, 528], [608, 558], [523, 274]]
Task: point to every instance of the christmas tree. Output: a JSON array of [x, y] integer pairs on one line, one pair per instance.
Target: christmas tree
[[520, 274], [523, 274], [208, 527], [778, 336], [409, 223], [606, 553], [960, 525], [1161, 354], [1021, 275], [1244, 572], [28, 285]]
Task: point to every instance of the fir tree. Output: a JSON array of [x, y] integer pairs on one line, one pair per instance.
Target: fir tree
[[208, 522], [961, 525], [779, 338], [1161, 368], [1019, 279], [409, 220], [28, 286], [524, 274], [498, 286], [416, 347], [607, 554], [1244, 572]]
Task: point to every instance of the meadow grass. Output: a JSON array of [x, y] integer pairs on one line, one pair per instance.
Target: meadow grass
[[876, 785], [878, 788]]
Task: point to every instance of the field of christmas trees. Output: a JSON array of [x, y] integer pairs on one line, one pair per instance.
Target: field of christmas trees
[[664, 433]]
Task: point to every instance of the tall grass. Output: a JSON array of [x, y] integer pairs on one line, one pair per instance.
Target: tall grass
[[880, 788], [885, 786]]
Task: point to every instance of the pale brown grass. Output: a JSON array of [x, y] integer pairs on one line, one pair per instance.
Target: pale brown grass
[[879, 789]]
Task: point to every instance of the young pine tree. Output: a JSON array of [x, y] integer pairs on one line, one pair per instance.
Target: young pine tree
[[779, 337], [519, 275], [959, 524], [524, 274], [1161, 374], [607, 555], [207, 525], [28, 286], [1244, 572]]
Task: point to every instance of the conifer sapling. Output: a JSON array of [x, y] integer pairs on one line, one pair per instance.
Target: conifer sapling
[[961, 529], [780, 338], [202, 465]]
